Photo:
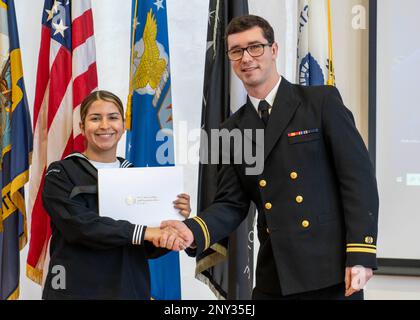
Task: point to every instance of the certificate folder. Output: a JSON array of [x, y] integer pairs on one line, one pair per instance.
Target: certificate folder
[[140, 195]]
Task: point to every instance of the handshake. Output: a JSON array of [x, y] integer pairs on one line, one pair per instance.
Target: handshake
[[173, 234]]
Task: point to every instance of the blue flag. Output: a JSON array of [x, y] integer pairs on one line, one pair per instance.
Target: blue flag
[[16, 148], [149, 118]]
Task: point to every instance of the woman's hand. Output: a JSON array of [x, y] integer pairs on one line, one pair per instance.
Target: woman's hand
[[153, 235], [183, 204]]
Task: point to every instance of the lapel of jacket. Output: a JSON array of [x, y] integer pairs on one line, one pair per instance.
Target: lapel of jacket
[[284, 107]]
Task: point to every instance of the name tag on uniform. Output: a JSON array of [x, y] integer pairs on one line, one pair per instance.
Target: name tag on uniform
[[140, 195]]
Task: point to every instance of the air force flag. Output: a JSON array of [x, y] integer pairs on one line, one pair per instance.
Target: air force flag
[[149, 119]]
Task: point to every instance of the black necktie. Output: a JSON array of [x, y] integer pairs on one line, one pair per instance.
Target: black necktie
[[263, 108]]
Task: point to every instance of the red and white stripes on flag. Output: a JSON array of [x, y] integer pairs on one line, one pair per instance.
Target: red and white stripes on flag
[[66, 75]]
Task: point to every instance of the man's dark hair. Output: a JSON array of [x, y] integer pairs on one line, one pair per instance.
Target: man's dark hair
[[244, 23]]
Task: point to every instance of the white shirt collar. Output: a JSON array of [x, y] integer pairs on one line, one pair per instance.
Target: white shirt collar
[[269, 98], [105, 165]]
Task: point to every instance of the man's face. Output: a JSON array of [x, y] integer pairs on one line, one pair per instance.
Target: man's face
[[253, 71]]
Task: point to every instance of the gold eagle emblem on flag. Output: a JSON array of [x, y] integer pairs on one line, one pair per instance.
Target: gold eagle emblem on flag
[[151, 66]]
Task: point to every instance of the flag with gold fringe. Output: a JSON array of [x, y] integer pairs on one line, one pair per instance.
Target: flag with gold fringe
[[66, 74], [149, 118], [16, 149]]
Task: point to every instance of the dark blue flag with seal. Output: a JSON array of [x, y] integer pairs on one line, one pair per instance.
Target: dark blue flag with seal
[[16, 149], [149, 118]]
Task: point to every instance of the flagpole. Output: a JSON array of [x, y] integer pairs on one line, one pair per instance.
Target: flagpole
[[330, 50]]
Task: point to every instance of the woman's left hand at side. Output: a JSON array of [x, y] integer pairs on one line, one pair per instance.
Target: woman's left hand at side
[[183, 204]]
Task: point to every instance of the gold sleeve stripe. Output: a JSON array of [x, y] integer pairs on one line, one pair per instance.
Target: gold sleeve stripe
[[363, 250], [205, 231], [361, 245]]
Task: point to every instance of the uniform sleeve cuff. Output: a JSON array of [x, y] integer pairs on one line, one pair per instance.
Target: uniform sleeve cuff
[[361, 254], [191, 252], [200, 232], [138, 234]]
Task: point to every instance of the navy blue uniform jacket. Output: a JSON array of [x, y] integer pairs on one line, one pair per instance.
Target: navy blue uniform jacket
[[102, 258], [317, 196]]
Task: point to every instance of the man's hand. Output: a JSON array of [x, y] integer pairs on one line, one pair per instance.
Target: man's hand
[[356, 279], [176, 235], [183, 205]]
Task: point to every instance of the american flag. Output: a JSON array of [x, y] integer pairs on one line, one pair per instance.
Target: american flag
[[66, 75]]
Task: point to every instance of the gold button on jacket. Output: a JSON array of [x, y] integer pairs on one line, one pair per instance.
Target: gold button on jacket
[[293, 175], [305, 224], [299, 199], [268, 206], [263, 183]]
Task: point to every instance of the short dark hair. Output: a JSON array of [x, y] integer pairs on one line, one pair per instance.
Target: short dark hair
[[244, 23], [100, 95]]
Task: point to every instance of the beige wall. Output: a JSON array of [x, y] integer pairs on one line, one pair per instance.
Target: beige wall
[[351, 57], [351, 60]]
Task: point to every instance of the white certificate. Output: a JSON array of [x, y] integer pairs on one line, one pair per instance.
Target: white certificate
[[140, 195]]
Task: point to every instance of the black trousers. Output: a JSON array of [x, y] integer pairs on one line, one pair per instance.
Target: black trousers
[[331, 293]]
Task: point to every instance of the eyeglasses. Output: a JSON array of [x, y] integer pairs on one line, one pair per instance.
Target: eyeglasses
[[254, 50]]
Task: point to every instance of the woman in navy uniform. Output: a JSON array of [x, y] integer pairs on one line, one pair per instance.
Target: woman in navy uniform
[[94, 257]]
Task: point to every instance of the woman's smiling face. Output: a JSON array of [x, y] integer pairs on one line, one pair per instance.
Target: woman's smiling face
[[102, 127]]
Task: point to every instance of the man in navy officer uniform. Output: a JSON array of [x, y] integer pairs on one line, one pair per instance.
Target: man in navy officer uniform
[[317, 196]]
